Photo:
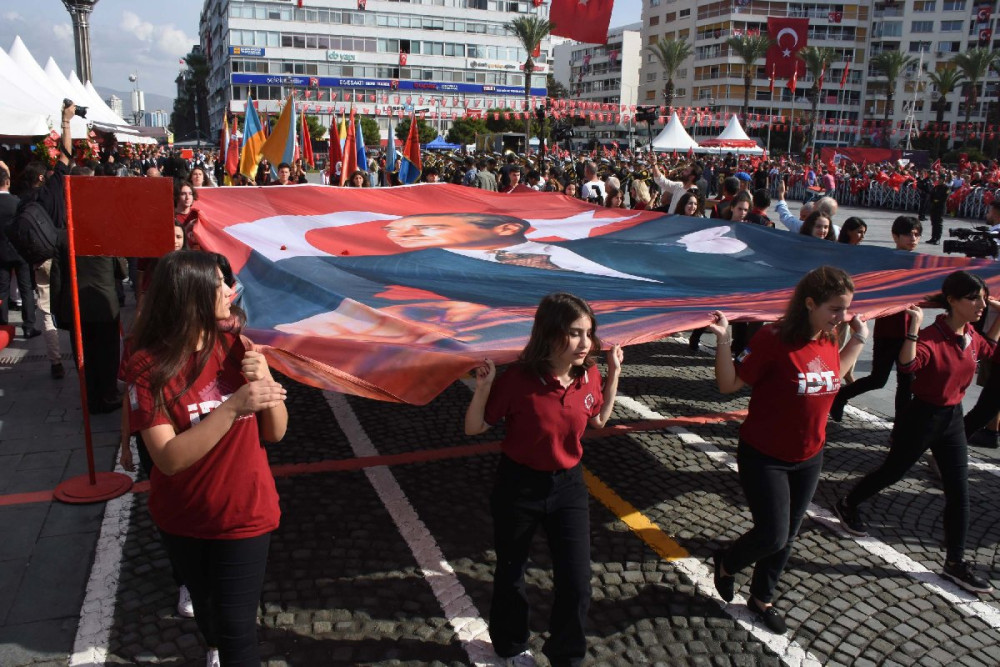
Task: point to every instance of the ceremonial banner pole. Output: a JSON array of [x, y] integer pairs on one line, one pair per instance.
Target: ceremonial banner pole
[[791, 125]]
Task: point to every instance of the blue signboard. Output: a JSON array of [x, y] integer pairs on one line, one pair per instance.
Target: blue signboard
[[253, 51], [381, 84]]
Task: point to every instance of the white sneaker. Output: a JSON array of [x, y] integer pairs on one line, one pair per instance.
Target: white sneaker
[[523, 659], [185, 607], [212, 658]]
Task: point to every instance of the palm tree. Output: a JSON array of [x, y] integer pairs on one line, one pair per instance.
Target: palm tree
[[749, 48], [974, 64], [671, 53], [817, 59], [530, 31], [890, 64], [946, 80]]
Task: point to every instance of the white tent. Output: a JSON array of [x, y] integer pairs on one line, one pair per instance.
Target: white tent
[[732, 139], [674, 137]]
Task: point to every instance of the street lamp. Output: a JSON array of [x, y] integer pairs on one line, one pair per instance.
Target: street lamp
[[138, 99]]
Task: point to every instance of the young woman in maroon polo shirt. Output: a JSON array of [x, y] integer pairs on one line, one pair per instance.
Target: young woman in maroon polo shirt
[[547, 399], [943, 356], [202, 401], [794, 367]]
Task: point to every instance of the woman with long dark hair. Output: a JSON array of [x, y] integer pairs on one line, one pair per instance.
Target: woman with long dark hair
[[818, 225], [547, 399], [943, 357], [794, 367], [853, 231], [202, 400]]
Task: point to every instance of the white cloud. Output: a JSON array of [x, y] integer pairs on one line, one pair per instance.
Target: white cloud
[[63, 31], [11, 16], [174, 42], [135, 25]]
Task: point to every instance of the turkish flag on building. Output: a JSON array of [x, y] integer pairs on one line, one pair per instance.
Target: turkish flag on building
[[793, 82], [402, 58], [789, 35], [582, 20]]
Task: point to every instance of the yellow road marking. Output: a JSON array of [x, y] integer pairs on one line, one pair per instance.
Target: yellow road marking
[[647, 531]]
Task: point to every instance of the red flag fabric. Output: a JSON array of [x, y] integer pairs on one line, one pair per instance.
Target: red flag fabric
[[307, 144], [582, 20], [402, 58], [336, 156], [771, 82], [843, 77], [350, 154], [233, 156], [789, 36], [793, 82], [822, 75]]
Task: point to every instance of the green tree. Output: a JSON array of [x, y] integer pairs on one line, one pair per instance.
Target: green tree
[[749, 48], [946, 80], [192, 96], [464, 130], [817, 60], [371, 132], [671, 54], [556, 90], [890, 64], [974, 64], [425, 130], [530, 31]]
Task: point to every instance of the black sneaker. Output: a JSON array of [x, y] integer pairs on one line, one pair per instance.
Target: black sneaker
[[964, 574], [850, 518], [58, 372], [32, 333], [837, 409], [984, 437], [723, 584], [933, 241], [769, 616]]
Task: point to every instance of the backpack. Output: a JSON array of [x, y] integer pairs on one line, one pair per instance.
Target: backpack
[[34, 235]]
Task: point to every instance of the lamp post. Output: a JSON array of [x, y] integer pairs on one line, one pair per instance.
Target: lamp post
[[138, 99], [80, 10]]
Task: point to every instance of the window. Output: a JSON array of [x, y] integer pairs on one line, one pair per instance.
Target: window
[[920, 47], [671, 17], [680, 92], [951, 26], [684, 13], [654, 3], [948, 47], [954, 5], [922, 26], [654, 20], [924, 5], [651, 94]]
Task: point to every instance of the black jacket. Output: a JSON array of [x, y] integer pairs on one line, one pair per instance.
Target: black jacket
[[8, 208]]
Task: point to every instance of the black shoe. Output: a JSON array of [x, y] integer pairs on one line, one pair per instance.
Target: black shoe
[[933, 241], [104, 407], [16, 304], [984, 437], [837, 409], [850, 518], [58, 372], [723, 584], [32, 333], [769, 616], [964, 574]]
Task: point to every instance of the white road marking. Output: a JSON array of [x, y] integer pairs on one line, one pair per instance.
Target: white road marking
[[456, 604], [97, 614]]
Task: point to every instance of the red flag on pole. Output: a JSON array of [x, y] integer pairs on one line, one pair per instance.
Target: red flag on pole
[[771, 83], [822, 75], [336, 157], [350, 152], [843, 77], [307, 145], [582, 21], [402, 58], [793, 82], [233, 156]]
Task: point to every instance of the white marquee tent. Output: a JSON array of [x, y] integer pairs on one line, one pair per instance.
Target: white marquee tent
[[32, 98], [674, 137], [732, 139]]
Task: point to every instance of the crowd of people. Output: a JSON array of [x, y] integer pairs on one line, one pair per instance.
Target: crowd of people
[[200, 400]]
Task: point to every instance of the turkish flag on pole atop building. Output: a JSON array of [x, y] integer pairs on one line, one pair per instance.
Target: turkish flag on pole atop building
[[582, 20], [789, 36], [843, 77]]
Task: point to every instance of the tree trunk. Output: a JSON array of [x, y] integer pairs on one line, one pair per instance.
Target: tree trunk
[[970, 99], [746, 94], [529, 66], [814, 119], [668, 94], [885, 119]]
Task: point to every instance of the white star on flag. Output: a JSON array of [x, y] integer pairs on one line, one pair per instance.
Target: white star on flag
[[583, 2], [786, 53], [576, 226]]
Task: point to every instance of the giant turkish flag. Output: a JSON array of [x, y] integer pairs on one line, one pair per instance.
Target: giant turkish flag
[[789, 36], [582, 20]]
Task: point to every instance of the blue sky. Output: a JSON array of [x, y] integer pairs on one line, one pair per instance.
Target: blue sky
[[147, 36]]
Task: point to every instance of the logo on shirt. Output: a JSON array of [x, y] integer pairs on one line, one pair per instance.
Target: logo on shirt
[[589, 401], [743, 355], [818, 379]]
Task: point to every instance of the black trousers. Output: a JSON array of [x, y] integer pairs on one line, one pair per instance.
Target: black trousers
[[885, 354], [988, 405], [22, 273], [101, 358], [522, 500], [937, 225], [778, 494], [146, 461], [225, 578], [942, 430]]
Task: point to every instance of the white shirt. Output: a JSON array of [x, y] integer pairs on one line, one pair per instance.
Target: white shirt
[[675, 188], [561, 257], [593, 189]]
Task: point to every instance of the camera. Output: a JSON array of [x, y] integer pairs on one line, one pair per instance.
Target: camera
[[80, 111], [976, 242]]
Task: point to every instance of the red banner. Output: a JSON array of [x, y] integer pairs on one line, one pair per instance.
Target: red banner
[[582, 21], [790, 36]]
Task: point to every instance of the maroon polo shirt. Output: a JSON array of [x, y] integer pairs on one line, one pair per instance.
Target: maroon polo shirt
[[793, 389], [545, 420], [944, 370]]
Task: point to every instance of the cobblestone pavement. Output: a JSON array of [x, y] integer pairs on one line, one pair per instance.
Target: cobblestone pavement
[[348, 579]]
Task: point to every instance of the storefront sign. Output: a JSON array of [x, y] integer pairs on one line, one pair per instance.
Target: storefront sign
[[253, 51]]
